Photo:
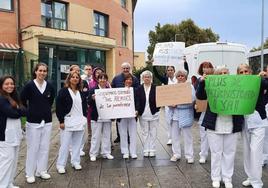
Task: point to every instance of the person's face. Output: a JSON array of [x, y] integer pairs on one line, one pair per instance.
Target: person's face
[[97, 73], [244, 70], [125, 70], [128, 82], [207, 69], [88, 70], [170, 72], [41, 72], [224, 71], [8, 86], [147, 79], [74, 80], [102, 81], [181, 78]]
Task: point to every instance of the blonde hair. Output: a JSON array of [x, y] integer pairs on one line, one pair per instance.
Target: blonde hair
[[182, 72], [243, 65], [220, 68]]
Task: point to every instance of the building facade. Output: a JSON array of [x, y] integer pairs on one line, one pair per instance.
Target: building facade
[[139, 60], [67, 32]]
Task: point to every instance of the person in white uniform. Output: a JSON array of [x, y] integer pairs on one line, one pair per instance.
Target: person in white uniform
[[71, 110], [148, 112], [101, 128], [10, 130], [128, 126], [38, 95], [253, 134], [182, 117]]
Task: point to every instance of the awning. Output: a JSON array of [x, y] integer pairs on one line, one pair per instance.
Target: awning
[[8, 47]]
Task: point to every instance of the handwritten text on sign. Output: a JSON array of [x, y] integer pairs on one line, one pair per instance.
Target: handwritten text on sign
[[115, 103], [168, 53], [232, 94], [173, 94]]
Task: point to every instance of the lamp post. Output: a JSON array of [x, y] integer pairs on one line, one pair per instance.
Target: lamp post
[[262, 33]]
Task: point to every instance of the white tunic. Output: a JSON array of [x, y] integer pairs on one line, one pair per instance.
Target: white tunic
[[13, 133], [42, 87]]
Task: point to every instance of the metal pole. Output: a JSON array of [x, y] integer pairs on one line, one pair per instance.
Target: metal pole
[[262, 33]]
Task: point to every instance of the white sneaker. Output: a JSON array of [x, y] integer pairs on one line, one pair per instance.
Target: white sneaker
[[30, 179], [152, 154], [202, 160], [146, 154], [77, 167], [174, 158], [61, 170], [228, 185], [134, 156], [215, 184], [108, 156], [169, 142], [43, 175], [93, 158], [82, 153], [246, 183], [125, 156], [190, 160]]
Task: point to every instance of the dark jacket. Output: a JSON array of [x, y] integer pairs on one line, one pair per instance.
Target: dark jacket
[[118, 81], [209, 121], [7, 111], [261, 101], [38, 104], [92, 104], [64, 103], [141, 100]]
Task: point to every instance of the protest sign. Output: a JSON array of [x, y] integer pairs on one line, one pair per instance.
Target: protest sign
[[173, 94], [168, 53], [115, 103], [232, 94], [201, 105]]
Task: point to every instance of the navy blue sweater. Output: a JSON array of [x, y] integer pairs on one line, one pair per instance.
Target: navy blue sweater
[[118, 81], [38, 104], [64, 103], [7, 111]]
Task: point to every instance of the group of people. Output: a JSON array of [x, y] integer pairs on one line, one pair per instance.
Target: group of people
[[77, 112]]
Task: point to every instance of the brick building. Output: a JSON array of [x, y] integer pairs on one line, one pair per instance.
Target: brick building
[[66, 32]]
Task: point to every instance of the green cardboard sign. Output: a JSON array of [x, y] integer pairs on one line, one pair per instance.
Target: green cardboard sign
[[232, 94]]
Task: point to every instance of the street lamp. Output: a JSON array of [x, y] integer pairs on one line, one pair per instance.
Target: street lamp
[[262, 33]]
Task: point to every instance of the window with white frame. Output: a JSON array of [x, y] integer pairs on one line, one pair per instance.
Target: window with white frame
[[124, 34]]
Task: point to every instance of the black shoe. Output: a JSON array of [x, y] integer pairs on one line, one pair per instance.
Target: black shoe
[[117, 140]]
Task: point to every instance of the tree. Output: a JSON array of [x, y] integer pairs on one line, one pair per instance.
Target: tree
[[265, 45], [185, 31]]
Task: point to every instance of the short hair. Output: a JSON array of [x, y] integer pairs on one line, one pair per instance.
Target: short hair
[[37, 67], [171, 67], [102, 75], [69, 76], [205, 63], [220, 68], [128, 76], [146, 72], [182, 72], [243, 65], [73, 66], [87, 65], [125, 64]]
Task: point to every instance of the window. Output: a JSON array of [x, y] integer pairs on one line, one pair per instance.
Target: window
[[101, 24], [124, 35], [53, 14], [6, 4], [124, 3]]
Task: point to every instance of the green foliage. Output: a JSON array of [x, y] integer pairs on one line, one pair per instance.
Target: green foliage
[[265, 45], [185, 31], [137, 72]]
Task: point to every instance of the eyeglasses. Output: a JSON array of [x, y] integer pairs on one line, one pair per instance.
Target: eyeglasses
[[125, 68]]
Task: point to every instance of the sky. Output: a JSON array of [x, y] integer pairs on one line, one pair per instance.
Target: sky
[[237, 21]]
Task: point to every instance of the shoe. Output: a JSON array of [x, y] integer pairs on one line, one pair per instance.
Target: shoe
[[61, 170], [93, 158], [117, 140], [125, 156], [146, 154], [215, 184], [82, 153], [228, 185], [152, 154], [108, 156], [77, 167], [246, 183], [43, 175], [169, 142], [134, 156], [202, 160], [174, 158], [30, 179], [190, 160]]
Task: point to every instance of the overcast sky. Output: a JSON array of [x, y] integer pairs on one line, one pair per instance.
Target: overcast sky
[[236, 21]]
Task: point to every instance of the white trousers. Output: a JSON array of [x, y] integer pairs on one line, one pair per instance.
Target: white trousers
[[128, 126], [66, 138], [168, 122], [188, 140], [222, 148], [38, 141], [253, 140], [8, 164], [149, 133], [204, 142], [101, 138], [265, 147]]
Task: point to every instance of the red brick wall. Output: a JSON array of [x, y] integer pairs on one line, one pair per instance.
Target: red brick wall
[[30, 12]]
